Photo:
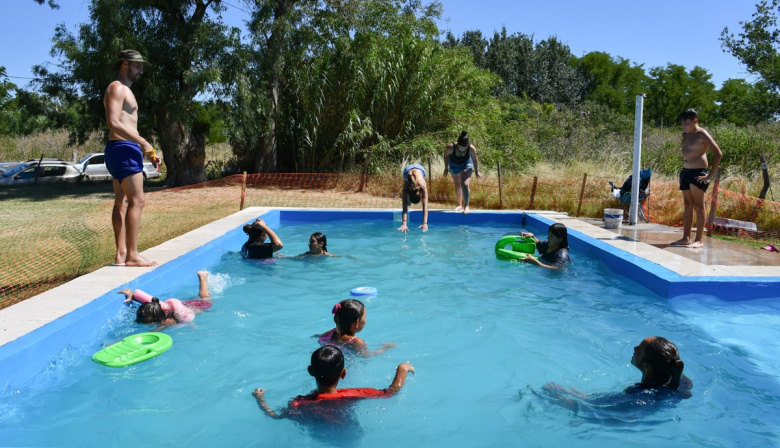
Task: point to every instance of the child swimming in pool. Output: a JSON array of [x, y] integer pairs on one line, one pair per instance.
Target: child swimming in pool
[[318, 246], [171, 311], [255, 246], [350, 318], [554, 253], [662, 382], [327, 368]]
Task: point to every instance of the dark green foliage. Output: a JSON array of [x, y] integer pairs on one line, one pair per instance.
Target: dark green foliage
[[672, 89], [744, 103], [758, 45], [541, 71], [612, 82]]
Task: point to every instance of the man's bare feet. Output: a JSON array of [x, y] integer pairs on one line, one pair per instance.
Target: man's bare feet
[[681, 242], [457, 209], [203, 274], [139, 262], [466, 210], [695, 245]]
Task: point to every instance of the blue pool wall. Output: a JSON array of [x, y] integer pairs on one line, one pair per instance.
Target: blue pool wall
[[22, 359]]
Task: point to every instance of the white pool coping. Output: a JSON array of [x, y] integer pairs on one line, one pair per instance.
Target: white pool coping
[[35, 312]]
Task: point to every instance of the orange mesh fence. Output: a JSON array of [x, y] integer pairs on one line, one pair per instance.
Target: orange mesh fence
[[44, 253]]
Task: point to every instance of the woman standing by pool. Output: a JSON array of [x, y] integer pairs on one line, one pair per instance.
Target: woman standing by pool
[[460, 159]]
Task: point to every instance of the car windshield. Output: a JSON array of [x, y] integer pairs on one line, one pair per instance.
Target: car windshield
[[84, 159], [16, 169]]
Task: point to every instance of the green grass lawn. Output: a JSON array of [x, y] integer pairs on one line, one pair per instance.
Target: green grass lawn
[[27, 203]]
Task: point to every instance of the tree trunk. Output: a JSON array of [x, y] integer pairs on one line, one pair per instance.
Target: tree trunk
[[184, 153], [266, 154]]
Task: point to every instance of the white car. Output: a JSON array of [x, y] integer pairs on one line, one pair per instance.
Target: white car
[[47, 172], [93, 166]]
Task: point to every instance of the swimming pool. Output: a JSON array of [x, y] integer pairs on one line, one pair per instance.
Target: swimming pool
[[484, 336]]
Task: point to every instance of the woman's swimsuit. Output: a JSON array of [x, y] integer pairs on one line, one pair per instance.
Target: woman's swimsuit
[[412, 167], [460, 163], [326, 339]]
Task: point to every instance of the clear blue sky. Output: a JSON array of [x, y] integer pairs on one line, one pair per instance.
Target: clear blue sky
[[653, 33]]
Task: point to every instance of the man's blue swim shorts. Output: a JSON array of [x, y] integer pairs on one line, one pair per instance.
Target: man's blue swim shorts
[[123, 158]]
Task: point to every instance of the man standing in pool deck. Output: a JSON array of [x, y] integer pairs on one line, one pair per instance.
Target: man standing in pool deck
[[124, 156], [694, 177]]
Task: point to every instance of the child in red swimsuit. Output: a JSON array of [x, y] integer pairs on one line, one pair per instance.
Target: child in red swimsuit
[[350, 318], [327, 368]]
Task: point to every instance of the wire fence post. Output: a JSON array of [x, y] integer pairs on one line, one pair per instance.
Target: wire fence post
[[533, 194], [243, 191], [765, 174], [714, 204], [364, 178], [430, 176], [500, 192], [582, 193]]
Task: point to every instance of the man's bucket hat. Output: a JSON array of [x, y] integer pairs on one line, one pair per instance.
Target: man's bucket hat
[[131, 56]]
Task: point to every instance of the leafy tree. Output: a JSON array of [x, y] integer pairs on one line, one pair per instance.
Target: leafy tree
[[612, 82], [354, 75], [6, 99], [52, 3], [186, 47], [542, 71], [758, 47], [744, 103], [672, 89]]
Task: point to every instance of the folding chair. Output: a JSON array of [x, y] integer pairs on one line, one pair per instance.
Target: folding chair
[[623, 194]]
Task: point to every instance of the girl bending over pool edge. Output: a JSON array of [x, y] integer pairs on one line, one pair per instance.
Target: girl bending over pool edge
[[415, 190], [255, 246], [662, 381], [350, 318], [327, 368], [171, 311], [554, 253]]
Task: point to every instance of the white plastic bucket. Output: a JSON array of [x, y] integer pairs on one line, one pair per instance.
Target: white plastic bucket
[[612, 218]]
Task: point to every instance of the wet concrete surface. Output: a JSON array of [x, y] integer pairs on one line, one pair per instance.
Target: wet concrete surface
[[715, 251]]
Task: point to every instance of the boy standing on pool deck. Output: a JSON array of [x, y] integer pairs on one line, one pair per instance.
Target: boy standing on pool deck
[[694, 177], [124, 156]]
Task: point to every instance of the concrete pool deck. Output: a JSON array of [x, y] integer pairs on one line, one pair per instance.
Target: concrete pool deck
[[648, 241]]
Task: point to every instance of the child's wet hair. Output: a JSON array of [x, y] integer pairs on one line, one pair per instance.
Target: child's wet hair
[[346, 313], [255, 232], [321, 239], [150, 312], [413, 192], [665, 360], [560, 231], [327, 363]]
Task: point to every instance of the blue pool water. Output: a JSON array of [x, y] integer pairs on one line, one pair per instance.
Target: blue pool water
[[484, 336]]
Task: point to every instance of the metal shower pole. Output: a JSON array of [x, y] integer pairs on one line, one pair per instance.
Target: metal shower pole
[[634, 210]]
